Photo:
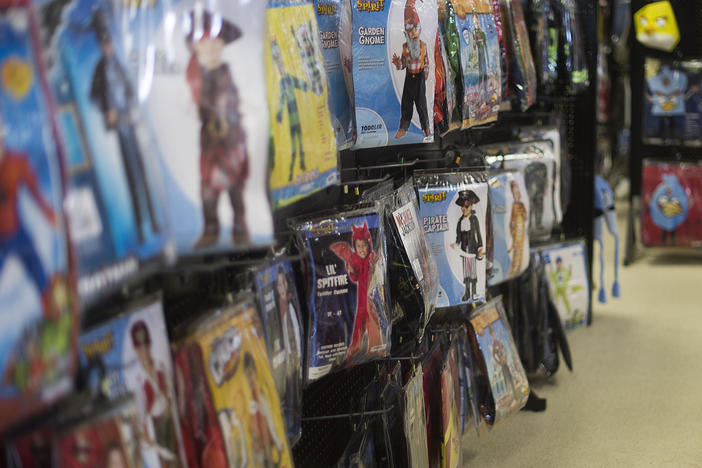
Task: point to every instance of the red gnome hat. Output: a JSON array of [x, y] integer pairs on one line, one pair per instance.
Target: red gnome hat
[[411, 16], [361, 233]]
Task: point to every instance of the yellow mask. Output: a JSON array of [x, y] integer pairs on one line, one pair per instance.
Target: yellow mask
[[656, 26]]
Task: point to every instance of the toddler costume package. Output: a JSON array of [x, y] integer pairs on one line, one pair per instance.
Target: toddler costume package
[[509, 212], [303, 151], [393, 71], [671, 204], [37, 299], [453, 208], [116, 201], [131, 355], [348, 304], [521, 63]]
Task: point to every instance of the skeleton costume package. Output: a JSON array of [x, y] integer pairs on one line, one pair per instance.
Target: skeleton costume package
[[453, 209], [393, 71]]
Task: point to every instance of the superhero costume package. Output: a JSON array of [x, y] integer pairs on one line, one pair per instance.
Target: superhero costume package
[[279, 307], [522, 74], [37, 297], [303, 152], [671, 201], [509, 212], [346, 285], [492, 340], [131, 355], [453, 209], [393, 71], [480, 61], [115, 203]]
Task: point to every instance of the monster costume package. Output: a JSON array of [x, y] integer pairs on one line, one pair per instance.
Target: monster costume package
[[346, 285], [393, 71], [37, 298], [131, 356], [115, 203], [303, 145], [453, 209], [671, 204], [280, 311], [522, 74]]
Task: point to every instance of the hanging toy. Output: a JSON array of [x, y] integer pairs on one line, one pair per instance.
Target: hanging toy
[[656, 26], [606, 213]]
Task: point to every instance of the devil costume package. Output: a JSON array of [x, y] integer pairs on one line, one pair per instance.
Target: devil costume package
[[303, 146], [37, 297], [393, 71], [522, 74], [131, 355], [453, 210], [346, 285]]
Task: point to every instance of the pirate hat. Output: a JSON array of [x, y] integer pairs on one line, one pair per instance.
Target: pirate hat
[[467, 198], [140, 334], [203, 24]]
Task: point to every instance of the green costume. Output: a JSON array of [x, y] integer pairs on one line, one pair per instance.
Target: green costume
[[561, 281]]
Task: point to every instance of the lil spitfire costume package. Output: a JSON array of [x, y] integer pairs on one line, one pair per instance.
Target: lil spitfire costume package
[[37, 305], [393, 71], [453, 209], [208, 86], [303, 151], [131, 355]]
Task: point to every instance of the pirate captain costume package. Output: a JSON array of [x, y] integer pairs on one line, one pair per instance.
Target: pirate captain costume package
[[303, 152], [453, 209], [393, 71], [131, 355], [37, 298]]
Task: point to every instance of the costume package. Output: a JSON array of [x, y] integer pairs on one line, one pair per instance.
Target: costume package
[[571, 50], [415, 420], [480, 61], [544, 43], [303, 147], [280, 311], [431, 367], [671, 207], [453, 208], [504, 55], [444, 90], [467, 369], [568, 281], [522, 76], [115, 203], [37, 298], [393, 71], [673, 103], [329, 13], [131, 355], [452, 44], [509, 213], [494, 345], [451, 449], [347, 292]]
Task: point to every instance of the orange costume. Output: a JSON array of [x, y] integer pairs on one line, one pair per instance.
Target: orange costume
[[517, 229]]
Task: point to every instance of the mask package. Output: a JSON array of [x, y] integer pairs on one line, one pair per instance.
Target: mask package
[[521, 62], [394, 107], [453, 208]]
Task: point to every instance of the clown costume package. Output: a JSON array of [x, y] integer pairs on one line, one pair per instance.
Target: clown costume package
[[393, 71], [453, 210], [346, 285]]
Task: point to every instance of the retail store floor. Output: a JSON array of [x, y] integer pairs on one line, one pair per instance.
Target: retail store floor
[[634, 397]]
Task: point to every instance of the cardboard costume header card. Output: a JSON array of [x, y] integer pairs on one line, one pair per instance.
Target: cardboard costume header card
[[393, 71], [37, 303]]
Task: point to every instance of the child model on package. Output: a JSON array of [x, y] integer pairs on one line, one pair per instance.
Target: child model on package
[[470, 241], [517, 229]]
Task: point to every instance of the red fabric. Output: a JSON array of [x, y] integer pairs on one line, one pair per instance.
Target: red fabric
[[149, 390], [439, 82], [411, 16], [261, 434]]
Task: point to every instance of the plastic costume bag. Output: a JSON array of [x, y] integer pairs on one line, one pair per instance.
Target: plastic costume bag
[[304, 157], [280, 310], [441, 112], [38, 307], [329, 13], [606, 214], [504, 55], [452, 43], [574, 67], [454, 122], [346, 274], [451, 449], [469, 387], [393, 71], [480, 61], [431, 367], [521, 62], [394, 419], [544, 43], [415, 420], [116, 201], [509, 211]]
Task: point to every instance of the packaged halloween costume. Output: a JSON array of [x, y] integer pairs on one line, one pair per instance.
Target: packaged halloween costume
[[415, 420], [131, 355], [393, 71], [451, 450], [303, 150], [571, 52], [453, 208], [452, 43], [37, 297], [544, 43], [521, 62], [504, 56], [431, 367]]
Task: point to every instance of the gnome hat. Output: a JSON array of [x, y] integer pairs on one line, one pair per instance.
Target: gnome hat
[[411, 16]]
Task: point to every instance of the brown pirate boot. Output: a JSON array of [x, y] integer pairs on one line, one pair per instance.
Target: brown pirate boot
[[210, 233]]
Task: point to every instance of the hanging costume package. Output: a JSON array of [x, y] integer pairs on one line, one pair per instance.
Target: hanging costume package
[[502, 40], [492, 340], [571, 43], [348, 304], [279, 307], [466, 371], [451, 449], [393, 71], [37, 297], [442, 89], [509, 211], [116, 200], [453, 208], [452, 44], [522, 76], [415, 420], [303, 151], [329, 13], [431, 366], [544, 43], [480, 61], [131, 355]]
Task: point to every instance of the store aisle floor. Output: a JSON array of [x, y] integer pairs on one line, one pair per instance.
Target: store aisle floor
[[634, 397]]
